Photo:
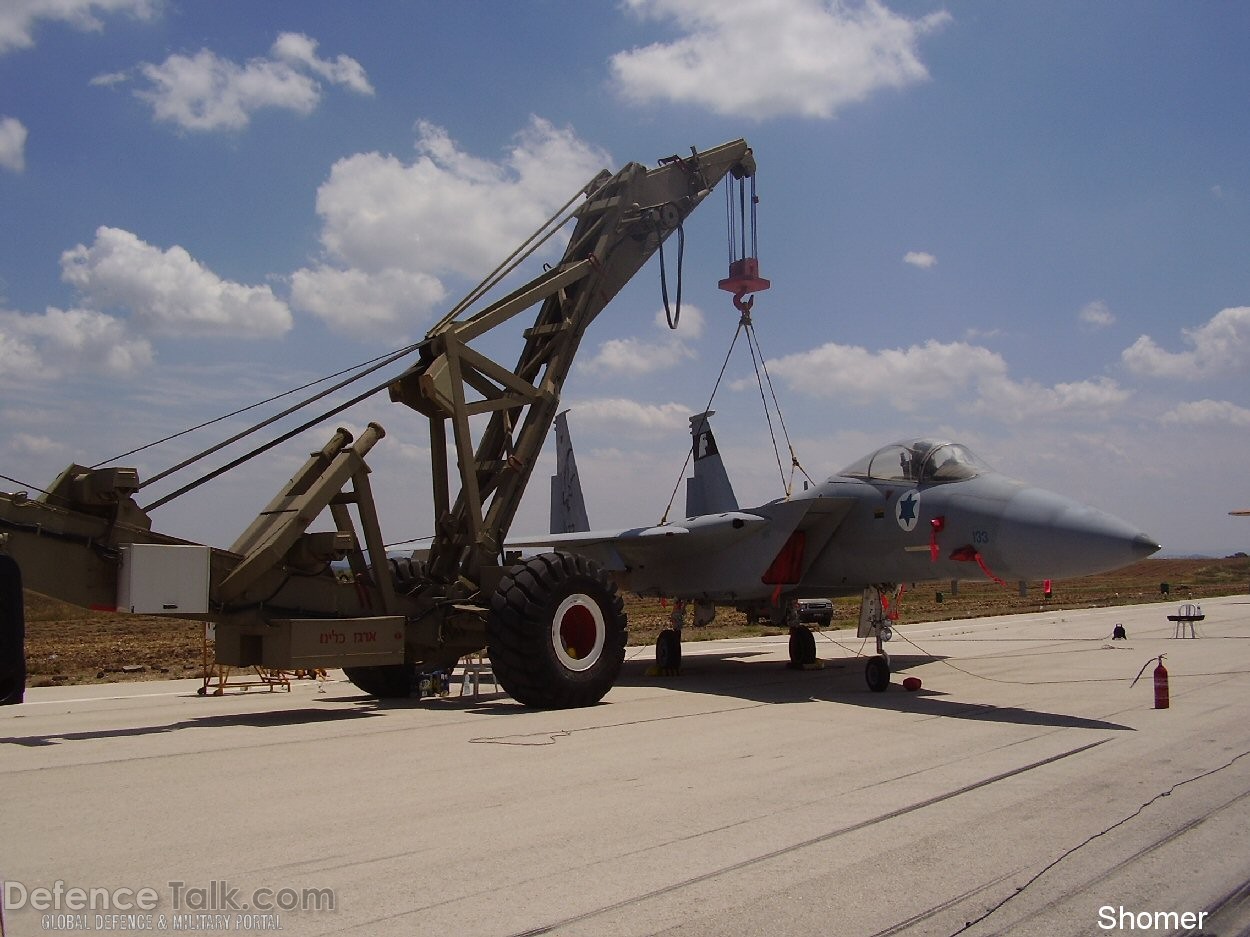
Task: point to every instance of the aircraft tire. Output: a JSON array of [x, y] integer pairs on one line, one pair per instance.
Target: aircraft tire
[[12, 633], [877, 673], [668, 650], [802, 647], [556, 632]]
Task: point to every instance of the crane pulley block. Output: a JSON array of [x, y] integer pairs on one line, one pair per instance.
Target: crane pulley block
[[744, 265], [744, 277]]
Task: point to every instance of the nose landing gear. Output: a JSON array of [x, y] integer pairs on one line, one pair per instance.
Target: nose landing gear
[[874, 623]]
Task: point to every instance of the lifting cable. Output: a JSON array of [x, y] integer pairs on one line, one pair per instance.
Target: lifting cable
[[762, 377], [24, 485], [370, 366], [743, 279], [757, 358], [265, 447], [711, 397]]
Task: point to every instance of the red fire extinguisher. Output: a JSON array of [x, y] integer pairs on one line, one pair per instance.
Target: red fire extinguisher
[[1161, 686]]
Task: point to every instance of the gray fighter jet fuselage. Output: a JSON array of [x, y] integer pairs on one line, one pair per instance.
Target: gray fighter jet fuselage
[[921, 509]]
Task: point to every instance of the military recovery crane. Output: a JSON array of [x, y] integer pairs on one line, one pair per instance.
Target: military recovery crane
[[553, 625]]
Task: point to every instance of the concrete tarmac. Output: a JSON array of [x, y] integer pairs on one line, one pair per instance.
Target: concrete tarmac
[[1026, 789]]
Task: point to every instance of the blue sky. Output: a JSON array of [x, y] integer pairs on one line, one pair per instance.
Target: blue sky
[[1025, 226]]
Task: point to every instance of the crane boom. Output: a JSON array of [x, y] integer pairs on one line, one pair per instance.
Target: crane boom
[[621, 224]]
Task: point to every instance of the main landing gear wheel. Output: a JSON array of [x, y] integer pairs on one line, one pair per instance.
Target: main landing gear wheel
[[556, 632], [877, 673], [668, 651], [802, 648]]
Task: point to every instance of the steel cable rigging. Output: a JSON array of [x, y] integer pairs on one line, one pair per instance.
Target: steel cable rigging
[[743, 281], [357, 373]]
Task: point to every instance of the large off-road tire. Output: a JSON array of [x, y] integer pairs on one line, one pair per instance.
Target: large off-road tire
[[406, 573], [556, 632], [12, 633]]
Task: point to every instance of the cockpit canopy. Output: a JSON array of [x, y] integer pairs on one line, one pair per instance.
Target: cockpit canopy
[[919, 462]]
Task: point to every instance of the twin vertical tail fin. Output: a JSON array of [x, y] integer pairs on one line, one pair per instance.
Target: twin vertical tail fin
[[709, 491], [568, 507]]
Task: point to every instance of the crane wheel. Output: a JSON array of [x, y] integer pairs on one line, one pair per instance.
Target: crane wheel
[[406, 573], [391, 681], [557, 632], [397, 681]]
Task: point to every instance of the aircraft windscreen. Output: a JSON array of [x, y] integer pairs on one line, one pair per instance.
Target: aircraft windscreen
[[918, 461]]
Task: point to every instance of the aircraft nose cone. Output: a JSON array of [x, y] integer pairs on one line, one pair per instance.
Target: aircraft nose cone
[[1047, 536]]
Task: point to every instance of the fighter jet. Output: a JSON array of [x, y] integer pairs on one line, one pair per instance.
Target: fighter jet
[[915, 510]]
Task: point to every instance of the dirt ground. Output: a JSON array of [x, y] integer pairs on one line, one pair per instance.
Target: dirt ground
[[69, 645]]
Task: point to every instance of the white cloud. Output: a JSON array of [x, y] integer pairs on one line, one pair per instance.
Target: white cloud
[[635, 356], [1220, 346], [169, 292], [1097, 315], [1208, 413], [66, 341], [18, 17], [449, 212], [18, 357], [690, 322], [972, 333], [298, 49], [788, 57], [12, 144], [207, 92], [969, 376], [620, 413], [366, 304], [920, 259], [36, 445], [392, 230], [1013, 401], [905, 377]]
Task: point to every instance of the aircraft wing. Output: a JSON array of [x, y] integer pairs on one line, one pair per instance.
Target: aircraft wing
[[726, 554], [619, 546]]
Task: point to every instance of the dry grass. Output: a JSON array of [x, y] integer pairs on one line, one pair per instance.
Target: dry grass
[[67, 645]]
